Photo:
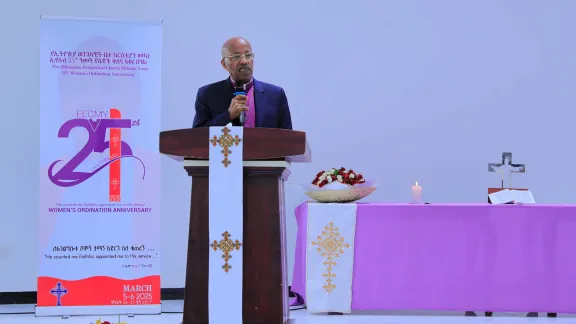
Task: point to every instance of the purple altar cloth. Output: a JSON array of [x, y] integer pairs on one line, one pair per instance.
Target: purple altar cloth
[[501, 258]]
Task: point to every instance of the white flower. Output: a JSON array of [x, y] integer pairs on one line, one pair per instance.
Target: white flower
[[323, 177], [319, 182], [329, 180], [352, 175], [339, 178]]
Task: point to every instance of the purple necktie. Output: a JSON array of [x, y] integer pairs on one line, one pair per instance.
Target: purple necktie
[[250, 120]]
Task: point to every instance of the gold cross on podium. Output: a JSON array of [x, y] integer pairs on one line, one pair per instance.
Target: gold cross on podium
[[226, 141], [226, 245]]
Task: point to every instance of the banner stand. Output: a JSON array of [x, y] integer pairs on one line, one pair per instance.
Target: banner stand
[[100, 187]]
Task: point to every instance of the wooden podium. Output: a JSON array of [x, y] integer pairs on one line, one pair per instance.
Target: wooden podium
[[267, 155]]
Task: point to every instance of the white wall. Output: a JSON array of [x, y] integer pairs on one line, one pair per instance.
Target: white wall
[[400, 90]]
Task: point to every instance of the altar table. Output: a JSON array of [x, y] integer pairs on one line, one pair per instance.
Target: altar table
[[501, 258]]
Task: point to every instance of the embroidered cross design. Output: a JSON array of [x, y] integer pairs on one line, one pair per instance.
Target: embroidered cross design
[[226, 245], [226, 141], [330, 245]]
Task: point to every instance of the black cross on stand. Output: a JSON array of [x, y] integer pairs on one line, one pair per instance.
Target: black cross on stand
[[59, 292], [507, 168]]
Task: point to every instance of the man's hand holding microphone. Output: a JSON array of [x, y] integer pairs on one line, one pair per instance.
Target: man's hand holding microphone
[[237, 106]]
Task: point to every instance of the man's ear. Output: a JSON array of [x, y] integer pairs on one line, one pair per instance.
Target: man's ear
[[223, 63]]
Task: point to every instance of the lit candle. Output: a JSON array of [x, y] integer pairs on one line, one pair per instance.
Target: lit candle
[[416, 194]]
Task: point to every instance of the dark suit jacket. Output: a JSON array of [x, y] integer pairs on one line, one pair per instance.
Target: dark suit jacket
[[213, 100]]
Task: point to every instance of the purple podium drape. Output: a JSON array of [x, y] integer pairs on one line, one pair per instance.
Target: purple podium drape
[[501, 258]]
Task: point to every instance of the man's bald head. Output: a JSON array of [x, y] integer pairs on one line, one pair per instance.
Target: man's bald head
[[234, 43], [238, 59]]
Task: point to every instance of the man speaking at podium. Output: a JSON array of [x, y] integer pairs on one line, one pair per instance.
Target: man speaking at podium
[[241, 99]]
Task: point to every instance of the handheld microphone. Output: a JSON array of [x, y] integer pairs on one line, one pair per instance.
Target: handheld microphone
[[239, 90]]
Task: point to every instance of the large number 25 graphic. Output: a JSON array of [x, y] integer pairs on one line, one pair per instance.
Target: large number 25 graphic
[[67, 176]]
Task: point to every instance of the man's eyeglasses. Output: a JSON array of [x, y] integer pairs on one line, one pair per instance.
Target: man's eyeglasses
[[238, 57]]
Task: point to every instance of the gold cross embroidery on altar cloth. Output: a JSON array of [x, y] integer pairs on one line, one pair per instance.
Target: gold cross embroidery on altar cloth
[[226, 141], [226, 245], [331, 245]]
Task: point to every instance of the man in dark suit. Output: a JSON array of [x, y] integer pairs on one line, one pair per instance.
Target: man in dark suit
[[264, 105]]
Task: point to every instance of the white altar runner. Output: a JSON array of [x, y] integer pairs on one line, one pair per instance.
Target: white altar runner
[[330, 257]]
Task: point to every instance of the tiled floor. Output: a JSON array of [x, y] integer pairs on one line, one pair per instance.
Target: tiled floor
[[23, 314]]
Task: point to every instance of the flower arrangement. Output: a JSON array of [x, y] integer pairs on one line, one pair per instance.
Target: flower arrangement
[[99, 321], [347, 177], [339, 186]]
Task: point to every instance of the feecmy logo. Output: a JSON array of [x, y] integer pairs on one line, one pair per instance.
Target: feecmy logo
[[67, 176]]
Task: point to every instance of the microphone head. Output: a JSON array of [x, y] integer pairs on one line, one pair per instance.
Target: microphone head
[[239, 89]]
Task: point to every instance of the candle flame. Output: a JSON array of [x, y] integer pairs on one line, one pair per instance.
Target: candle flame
[[416, 183]]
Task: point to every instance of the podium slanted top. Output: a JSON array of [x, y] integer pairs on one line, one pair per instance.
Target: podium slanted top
[[259, 144]]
